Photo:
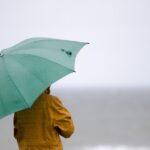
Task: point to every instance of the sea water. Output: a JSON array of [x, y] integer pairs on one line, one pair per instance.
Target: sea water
[[109, 118]]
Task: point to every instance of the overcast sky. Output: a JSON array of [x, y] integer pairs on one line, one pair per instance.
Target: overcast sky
[[118, 32]]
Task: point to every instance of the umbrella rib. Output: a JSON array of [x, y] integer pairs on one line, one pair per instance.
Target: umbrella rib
[[14, 83], [29, 71], [47, 60]]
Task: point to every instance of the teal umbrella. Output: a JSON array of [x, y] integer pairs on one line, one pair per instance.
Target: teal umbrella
[[29, 67]]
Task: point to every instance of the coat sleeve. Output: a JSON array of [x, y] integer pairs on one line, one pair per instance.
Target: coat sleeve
[[63, 122]]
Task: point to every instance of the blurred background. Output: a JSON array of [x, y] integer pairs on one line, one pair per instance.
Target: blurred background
[[109, 95]]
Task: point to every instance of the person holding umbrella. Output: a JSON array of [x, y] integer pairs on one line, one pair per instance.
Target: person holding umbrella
[[27, 69], [40, 127]]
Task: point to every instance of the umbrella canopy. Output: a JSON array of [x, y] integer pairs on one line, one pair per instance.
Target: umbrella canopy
[[29, 67]]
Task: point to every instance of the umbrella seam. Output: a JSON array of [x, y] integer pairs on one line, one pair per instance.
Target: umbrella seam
[[14, 83], [45, 59], [30, 72]]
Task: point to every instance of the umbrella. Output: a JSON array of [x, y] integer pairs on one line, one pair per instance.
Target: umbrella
[[29, 67]]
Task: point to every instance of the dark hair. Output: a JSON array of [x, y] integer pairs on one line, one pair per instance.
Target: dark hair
[[47, 91]]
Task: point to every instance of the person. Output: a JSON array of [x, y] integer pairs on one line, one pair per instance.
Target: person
[[40, 127]]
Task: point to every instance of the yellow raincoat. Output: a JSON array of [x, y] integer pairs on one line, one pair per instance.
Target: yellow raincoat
[[39, 127]]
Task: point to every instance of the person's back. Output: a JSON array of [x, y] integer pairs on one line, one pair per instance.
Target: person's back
[[39, 127]]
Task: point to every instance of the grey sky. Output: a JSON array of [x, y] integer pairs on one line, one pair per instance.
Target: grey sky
[[118, 32]]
